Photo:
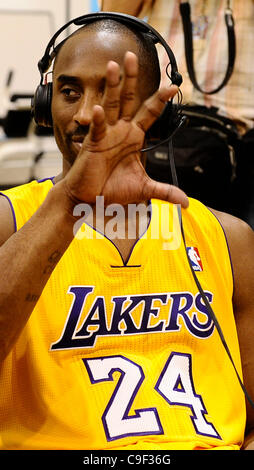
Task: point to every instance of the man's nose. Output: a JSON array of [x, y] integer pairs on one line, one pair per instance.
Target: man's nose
[[84, 111]]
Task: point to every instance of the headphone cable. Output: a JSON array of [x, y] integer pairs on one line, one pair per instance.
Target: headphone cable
[[202, 293]]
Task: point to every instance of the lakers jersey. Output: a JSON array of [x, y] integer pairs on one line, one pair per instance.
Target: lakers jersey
[[124, 355]]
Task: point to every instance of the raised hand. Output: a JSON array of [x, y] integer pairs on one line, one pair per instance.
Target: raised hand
[[108, 163]]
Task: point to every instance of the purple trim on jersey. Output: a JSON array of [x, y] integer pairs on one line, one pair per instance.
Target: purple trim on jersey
[[130, 402], [46, 179], [12, 210], [177, 385], [229, 254], [189, 405], [127, 266], [125, 263], [11, 205], [103, 234]]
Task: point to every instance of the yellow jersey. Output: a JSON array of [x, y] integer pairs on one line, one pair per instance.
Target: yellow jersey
[[124, 355]]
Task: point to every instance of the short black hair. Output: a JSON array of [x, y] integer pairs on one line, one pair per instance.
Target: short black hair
[[149, 65]]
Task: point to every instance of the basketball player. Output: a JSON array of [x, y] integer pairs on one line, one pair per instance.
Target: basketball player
[[107, 343]]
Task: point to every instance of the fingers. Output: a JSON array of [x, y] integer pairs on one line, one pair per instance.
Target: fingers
[[111, 99], [153, 107], [98, 124], [119, 96], [128, 91]]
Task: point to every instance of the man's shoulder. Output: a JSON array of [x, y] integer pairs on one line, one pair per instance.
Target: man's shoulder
[[240, 239], [23, 199], [237, 230], [7, 220]]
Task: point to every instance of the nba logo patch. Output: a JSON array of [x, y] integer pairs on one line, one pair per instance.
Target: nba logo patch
[[195, 259]]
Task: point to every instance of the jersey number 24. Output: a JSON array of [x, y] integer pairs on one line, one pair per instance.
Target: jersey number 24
[[175, 385]]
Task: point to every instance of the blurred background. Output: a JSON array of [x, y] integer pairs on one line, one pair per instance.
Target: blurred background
[[26, 26]]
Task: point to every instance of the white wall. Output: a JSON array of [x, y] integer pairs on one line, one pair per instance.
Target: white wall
[[25, 29]]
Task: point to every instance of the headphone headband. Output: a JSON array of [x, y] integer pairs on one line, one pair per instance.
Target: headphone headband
[[41, 102], [45, 62]]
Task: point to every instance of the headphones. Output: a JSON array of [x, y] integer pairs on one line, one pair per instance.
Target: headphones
[[41, 101]]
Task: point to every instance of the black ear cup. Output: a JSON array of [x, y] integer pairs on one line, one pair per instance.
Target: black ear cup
[[41, 105]]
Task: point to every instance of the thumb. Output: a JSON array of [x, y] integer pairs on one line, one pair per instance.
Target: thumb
[[166, 192]]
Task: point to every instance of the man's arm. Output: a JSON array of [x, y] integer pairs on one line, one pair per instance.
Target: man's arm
[[7, 224], [27, 259], [240, 239]]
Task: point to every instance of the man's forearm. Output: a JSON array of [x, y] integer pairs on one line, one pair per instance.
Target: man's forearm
[[27, 260]]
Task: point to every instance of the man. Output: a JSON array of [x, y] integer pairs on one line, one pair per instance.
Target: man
[[106, 343]]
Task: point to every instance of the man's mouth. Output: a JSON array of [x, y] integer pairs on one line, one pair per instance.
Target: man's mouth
[[77, 136], [77, 142]]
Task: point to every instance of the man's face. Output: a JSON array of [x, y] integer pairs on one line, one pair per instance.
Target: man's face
[[79, 83]]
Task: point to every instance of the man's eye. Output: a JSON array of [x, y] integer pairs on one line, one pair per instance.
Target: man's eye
[[69, 92]]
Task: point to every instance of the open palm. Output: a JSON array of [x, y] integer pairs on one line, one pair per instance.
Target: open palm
[[109, 163]]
